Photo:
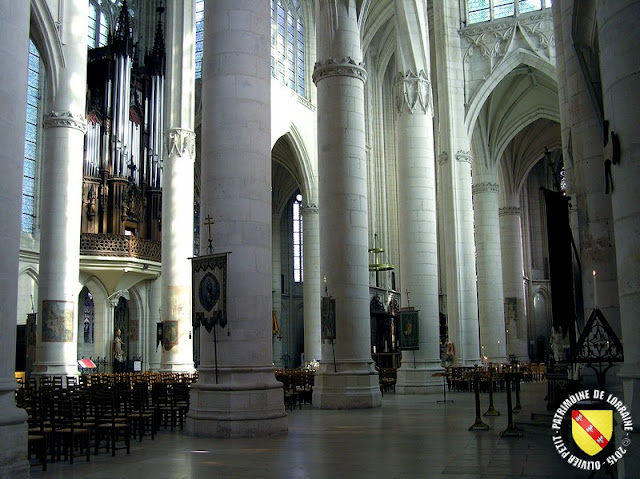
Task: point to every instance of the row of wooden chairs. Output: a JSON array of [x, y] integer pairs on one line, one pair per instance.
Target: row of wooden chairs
[[297, 386], [108, 412]]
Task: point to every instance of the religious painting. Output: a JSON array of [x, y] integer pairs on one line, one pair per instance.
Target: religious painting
[[133, 329], [409, 321], [57, 321], [209, 290], [511, 309], [328, 317], [170, 335]]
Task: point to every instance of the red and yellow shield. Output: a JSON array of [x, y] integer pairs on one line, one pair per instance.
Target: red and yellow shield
[[591, 429]]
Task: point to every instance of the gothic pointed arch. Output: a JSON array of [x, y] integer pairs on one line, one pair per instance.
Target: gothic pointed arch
[[510, 63]]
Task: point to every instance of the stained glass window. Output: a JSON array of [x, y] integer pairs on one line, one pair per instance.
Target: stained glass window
[[486, 10], [199, 36], [297, 240], [31, 141], [287, 44]]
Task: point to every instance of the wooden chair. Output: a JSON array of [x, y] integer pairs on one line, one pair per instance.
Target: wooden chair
[[41, 421], [72, 429], [180, 402], [37, 444], [108, 425], [139, 413]]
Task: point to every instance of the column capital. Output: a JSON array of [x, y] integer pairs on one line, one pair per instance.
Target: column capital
[[510, 210], [464, 156], [413, 90], [65, 119], [486, 187], [310, 208], [342, 67], [178, 141]]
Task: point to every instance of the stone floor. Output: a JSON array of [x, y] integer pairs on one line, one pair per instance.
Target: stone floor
[[408, 437]]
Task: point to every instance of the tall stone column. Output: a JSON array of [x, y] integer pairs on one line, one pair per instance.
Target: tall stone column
[[592, 217], [512, 280], [489, 268], [154, 355], [177, 188], [14, 52], [416, 192], [276, 288], [619, 64], [237, 393], [311, 287], [454, 162], [350, 382], [61, 200]]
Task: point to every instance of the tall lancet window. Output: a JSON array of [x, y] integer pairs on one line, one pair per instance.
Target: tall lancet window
[[102, 15], [31, 142], [287, 44], [485, 10], [199, 36], [98, 30], [297, 239]]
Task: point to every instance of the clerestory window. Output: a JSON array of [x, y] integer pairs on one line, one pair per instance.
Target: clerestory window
[[199, 37], [31, 141], [485, 10], [298, 276], [288, 44]]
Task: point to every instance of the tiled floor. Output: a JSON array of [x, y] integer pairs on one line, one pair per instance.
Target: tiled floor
[[408, 437]]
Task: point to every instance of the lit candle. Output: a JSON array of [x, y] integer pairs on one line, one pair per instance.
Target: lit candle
[[595, 290]]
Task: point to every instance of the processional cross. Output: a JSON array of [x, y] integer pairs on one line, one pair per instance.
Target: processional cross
[[209, 221]]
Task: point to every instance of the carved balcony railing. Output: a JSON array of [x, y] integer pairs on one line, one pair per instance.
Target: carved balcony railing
[[92, 244]]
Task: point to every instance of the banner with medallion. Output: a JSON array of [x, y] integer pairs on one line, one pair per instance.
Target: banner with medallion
[[209, 276]]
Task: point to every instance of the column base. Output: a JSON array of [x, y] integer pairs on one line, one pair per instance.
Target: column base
[[13, 435], [629, 375], [354, 386], [177, 368], [419, 380], [237, 408]]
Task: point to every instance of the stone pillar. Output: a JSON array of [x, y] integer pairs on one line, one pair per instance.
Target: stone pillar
[[619, 64], [155, 316], [177, 183], [454, 162], [489, 268], [342, 185], [416, 192], [276, 288], [311, 287], [243, 398], [592, 217], [14, 52], [513, 283], [61, 201]]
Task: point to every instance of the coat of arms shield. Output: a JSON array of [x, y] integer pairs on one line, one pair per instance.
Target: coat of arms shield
[[592, 429]]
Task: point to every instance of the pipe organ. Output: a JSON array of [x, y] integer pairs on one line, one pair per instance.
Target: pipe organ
[[122, 183]]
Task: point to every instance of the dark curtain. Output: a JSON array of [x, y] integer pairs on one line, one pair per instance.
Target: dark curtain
[[560, 261]]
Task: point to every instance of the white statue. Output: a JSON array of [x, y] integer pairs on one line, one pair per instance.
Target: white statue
[[118, 348]]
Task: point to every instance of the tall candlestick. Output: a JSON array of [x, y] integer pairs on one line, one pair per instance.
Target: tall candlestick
[[595, 290]]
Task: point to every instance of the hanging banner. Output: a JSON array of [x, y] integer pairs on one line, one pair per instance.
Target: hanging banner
[[409, 328], [209, 286], [328, 317]]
